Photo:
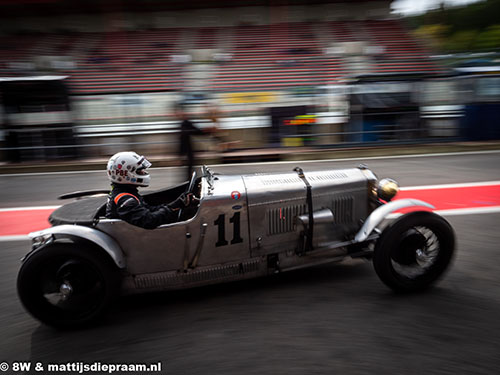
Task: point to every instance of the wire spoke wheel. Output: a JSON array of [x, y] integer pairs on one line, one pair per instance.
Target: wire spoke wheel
[[414, 251]]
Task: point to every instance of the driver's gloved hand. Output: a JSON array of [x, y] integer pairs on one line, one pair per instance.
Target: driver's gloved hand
[[182, 201], [193, 200]]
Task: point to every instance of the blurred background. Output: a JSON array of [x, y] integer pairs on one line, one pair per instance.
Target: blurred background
[[84, 79]]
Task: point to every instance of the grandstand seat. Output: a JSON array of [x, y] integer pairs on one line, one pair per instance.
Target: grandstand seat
[[276, 56]]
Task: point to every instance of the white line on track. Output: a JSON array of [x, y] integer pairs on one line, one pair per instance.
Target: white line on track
[[55, 173], [469, 211], [459, 211], [449, 186], [277, 162], [14, 238], [33, 208]]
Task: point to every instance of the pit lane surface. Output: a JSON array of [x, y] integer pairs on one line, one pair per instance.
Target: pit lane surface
[[331, 319]]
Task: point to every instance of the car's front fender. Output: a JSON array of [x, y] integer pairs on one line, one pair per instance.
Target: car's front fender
[[100, 239], [379, 214]]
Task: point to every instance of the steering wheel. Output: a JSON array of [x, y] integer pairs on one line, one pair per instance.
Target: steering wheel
[[189, 190]]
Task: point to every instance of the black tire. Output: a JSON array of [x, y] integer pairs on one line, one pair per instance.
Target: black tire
[[89, 278], [414, 251]]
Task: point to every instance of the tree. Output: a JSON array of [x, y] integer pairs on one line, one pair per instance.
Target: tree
[[489, 39], [432, 35], [461, 41], [459, 29]]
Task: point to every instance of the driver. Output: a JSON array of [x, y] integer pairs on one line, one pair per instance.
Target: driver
[[127, 171]]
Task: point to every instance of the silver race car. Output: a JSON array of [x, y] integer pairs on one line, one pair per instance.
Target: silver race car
[[244, 226]]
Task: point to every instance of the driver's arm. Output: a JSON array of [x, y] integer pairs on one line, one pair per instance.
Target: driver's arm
[[134, 212], [183, 201]]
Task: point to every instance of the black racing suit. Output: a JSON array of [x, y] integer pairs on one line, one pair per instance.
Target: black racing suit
[[125, 202]]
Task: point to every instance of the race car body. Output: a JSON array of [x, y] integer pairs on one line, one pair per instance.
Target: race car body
[[244, 226]]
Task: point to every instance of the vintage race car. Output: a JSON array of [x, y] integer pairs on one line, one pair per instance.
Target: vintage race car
[[244, 226]]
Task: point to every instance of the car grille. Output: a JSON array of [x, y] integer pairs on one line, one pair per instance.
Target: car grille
[[342, 208], [282, 219]]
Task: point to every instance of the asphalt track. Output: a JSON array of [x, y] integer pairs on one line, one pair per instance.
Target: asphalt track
[[331, 319]]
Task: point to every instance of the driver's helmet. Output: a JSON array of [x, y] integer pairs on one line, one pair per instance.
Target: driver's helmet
[[128, 168]]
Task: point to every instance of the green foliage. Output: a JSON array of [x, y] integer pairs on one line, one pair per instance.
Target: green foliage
[[489, 39], [432, 35], [474, 16], [461, 41], [458, 29]]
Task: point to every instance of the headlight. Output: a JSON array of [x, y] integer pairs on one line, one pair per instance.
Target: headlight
[[387, 189], [38, 241]]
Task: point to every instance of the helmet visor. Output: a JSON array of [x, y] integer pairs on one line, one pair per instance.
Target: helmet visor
[[143, 164]]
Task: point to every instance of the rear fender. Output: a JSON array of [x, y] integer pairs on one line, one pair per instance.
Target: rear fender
[[379, 214], [102, 240]]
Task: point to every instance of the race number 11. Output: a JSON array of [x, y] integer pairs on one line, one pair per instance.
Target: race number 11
[[221, 224]]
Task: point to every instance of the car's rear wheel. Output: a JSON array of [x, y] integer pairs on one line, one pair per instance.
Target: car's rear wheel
[[67, 286], [414, 251]]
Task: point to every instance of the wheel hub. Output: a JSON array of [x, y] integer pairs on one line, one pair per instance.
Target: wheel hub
[[412, 245], [66, 290]]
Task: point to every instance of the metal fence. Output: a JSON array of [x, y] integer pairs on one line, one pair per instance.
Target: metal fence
[[329, 130]]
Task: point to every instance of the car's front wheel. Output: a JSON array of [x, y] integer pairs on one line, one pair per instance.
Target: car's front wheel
[[414, 251], [66, 286]]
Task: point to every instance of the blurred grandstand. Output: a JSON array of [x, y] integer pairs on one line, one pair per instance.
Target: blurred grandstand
[[84, 78]]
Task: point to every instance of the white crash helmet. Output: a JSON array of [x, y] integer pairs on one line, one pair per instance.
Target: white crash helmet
[[128, 168]]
